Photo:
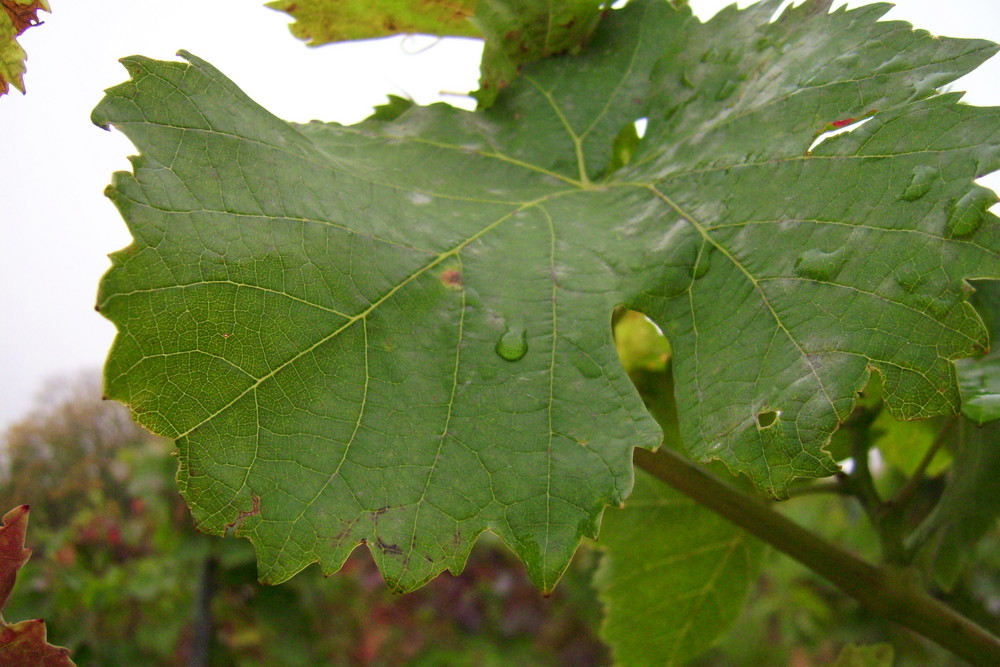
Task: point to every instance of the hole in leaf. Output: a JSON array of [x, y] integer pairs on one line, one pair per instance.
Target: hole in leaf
[[835, 127], [640, 127], [640, 343], [767, 418]]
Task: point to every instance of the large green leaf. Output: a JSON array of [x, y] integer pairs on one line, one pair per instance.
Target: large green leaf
[[398, 333], [673, 578]]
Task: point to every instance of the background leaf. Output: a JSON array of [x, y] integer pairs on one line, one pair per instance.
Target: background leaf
[[969, 506], [397, 333], [979, 379], [673, 578], [880, 655]]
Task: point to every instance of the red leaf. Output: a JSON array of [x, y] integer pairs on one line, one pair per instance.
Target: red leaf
[[22, 644], [13, 555]]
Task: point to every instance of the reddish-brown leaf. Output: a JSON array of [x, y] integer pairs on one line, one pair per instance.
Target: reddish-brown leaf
[[22, 644], [23, 15], [13, 555]]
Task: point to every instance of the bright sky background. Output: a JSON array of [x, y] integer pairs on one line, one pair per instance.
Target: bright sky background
[[56, 225]]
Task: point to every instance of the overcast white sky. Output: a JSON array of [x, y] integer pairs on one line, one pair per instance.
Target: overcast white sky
[[57, 227]]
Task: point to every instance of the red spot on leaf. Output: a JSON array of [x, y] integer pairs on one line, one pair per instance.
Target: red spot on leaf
[[843, 123]]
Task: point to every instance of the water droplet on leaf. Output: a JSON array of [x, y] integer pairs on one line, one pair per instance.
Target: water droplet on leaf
[[968, 213], [513, 345], [726, 90], [820, 265], [920, 182]]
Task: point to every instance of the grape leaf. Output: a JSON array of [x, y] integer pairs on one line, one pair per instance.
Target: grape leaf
[[674, 576], [397, 333], [16, 17], [325, 21], [22, 644]]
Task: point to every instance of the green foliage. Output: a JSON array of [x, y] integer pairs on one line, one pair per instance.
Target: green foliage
[[969, 506], [325, 330]]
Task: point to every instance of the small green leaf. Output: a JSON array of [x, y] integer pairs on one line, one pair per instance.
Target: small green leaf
[[674, 576]]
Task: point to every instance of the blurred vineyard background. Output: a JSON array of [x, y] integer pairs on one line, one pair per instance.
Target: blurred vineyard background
[[122, 577]]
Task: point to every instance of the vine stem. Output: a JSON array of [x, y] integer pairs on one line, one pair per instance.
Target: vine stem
[[893, 593], [905, 494]]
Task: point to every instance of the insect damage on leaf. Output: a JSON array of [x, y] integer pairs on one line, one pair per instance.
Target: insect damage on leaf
[[435, 340]]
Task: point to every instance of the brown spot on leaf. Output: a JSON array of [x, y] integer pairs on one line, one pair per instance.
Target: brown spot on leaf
[[242, 516], [391, 549], [452, 278]]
